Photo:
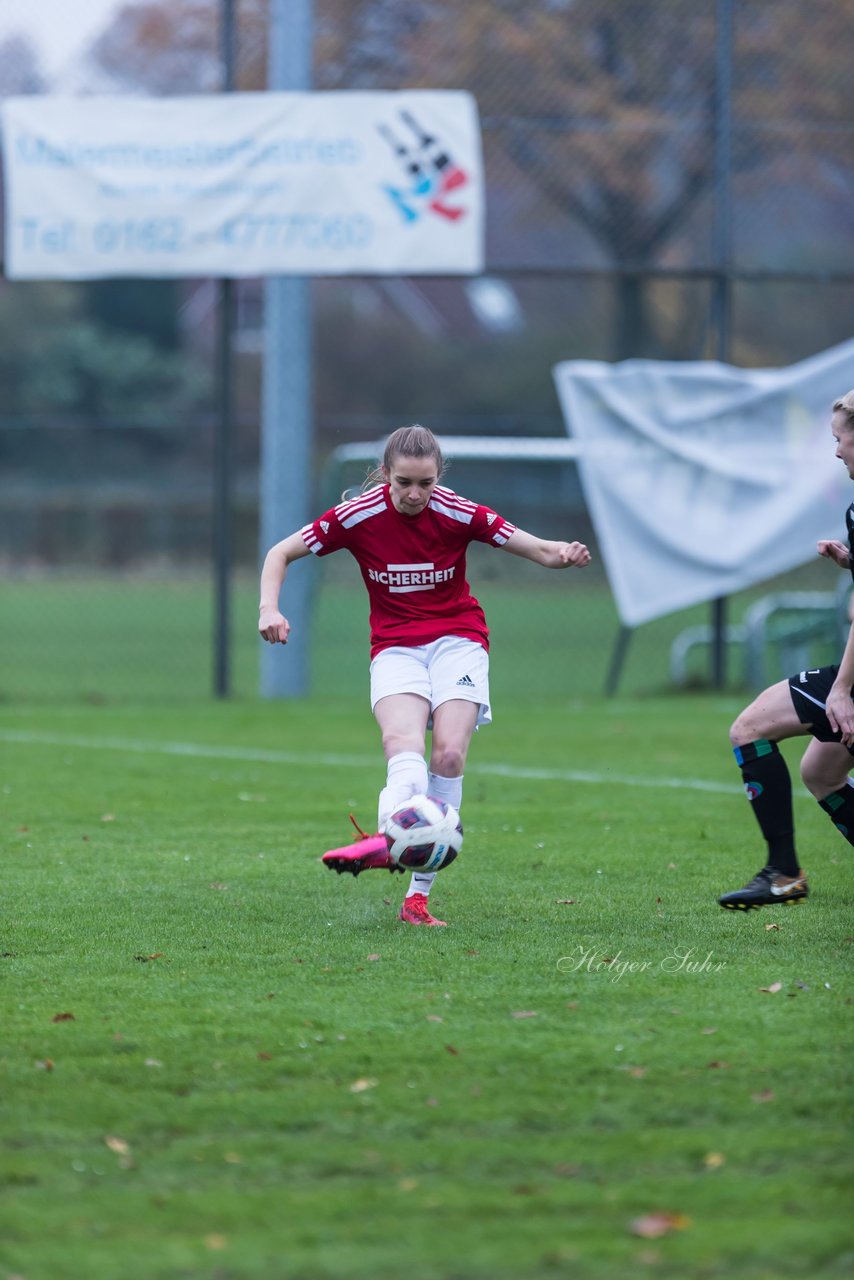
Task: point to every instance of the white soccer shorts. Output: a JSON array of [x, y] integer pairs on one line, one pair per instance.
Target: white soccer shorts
[[451, 667]]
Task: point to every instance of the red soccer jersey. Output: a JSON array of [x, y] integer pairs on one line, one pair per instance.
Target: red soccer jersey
[[414, 566]]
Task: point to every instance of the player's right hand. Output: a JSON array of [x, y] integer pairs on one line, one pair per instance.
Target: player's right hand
[[273, 626]]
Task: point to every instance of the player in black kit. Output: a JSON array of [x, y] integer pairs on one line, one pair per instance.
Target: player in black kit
[[817, 702]]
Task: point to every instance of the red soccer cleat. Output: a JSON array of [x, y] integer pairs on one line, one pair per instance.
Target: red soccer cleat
[[414, 910], [367, 853]]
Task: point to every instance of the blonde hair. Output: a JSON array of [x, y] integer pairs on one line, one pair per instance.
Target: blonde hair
[[413, 441], [846, 406]]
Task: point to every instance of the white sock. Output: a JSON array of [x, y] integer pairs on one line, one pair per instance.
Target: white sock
[[421, 882], [448, 789], [451, 791], [406, 776]]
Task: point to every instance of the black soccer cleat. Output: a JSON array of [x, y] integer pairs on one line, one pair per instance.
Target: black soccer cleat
[[770, 888]]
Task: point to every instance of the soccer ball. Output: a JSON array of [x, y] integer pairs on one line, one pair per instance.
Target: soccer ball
[[425, 834]]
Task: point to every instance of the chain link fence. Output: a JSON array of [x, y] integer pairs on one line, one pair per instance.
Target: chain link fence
[[668, 180]]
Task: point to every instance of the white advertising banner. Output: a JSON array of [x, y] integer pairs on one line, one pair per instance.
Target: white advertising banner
[[243, 184], [703, 479]]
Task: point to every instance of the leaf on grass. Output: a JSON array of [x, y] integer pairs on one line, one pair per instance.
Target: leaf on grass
[[770, 927], [63, 1017], [374, 956], [434, 1017], [108, 817], [155, 955], [450, 1049], [153, 1062], [718, 1066], [359, 1086], [44, 1064], [714, 1160], [764, 1095], [565, 902], [773, 989], [523, 1013], [653, 1225], [265, 1057], [709, 1031], [118, 1145], [217, 884]]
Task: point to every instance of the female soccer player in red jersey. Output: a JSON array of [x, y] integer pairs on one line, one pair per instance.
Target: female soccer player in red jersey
[[818, 702], [429, 639]]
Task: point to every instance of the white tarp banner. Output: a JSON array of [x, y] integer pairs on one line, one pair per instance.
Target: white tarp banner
[[702, 479], [243, 184]]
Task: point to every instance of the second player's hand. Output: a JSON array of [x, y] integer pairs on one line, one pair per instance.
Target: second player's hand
[[840, 713], [836, 551], [273, 626], [574, 554]]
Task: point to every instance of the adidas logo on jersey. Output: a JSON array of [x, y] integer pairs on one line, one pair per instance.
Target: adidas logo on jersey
[[324, 524], [466, 682]]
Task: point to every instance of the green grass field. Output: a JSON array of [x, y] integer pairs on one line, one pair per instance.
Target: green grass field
[[220, 1061], [98, 638]]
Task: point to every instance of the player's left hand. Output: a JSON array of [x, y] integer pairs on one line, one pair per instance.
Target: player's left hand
[[840, 713], [573, 554]]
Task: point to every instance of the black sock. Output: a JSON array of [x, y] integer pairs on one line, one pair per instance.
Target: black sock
[[840, 806], [769, 788]]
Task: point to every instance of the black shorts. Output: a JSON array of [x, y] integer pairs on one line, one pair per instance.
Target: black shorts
[[809, 690]]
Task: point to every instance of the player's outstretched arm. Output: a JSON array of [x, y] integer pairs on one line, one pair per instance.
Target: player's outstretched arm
[[272, 625], [836, 551], [554, 555]]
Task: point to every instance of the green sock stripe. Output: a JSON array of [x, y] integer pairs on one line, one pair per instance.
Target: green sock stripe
[[754, 750], [833, 801]]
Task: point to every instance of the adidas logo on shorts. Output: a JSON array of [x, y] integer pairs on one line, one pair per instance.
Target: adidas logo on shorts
[[466, 682]]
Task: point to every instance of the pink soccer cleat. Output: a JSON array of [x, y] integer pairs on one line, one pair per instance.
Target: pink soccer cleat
[[365, 854], [414, 910]]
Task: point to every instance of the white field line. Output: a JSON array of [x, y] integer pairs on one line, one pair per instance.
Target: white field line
[[257, 755]]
